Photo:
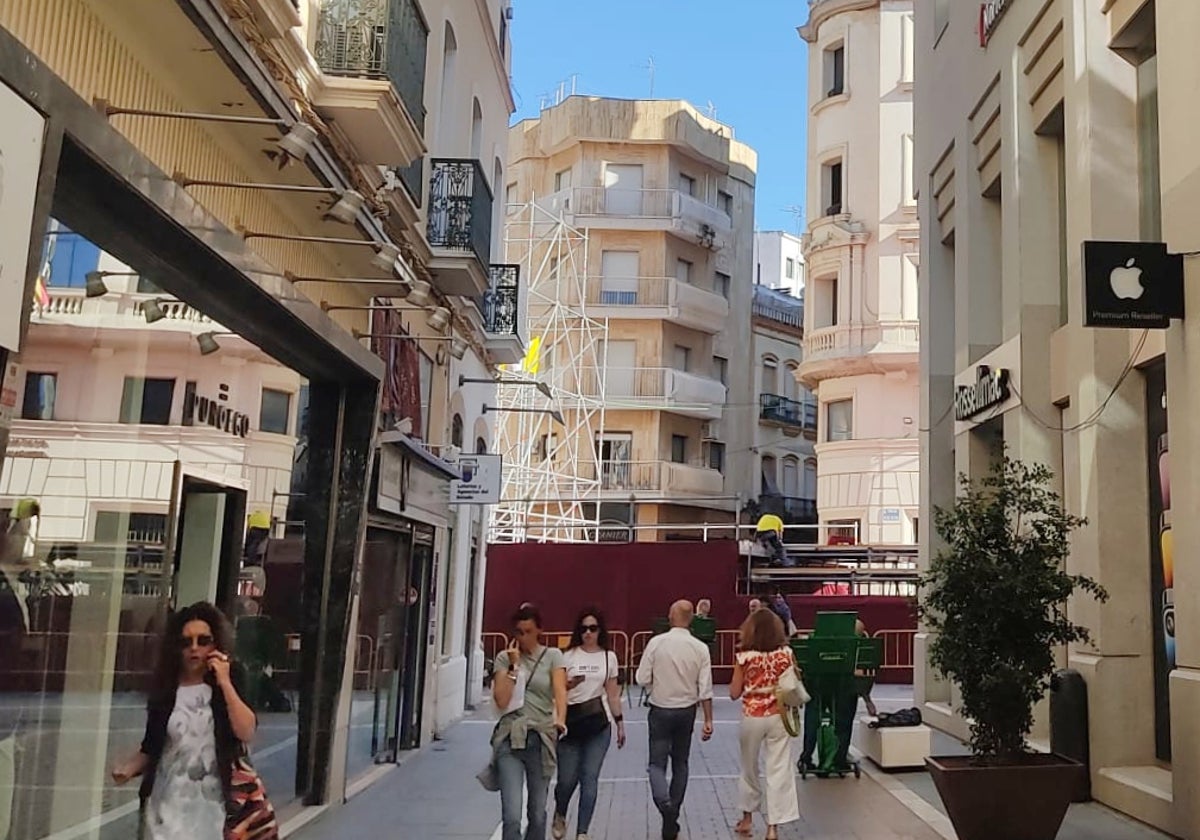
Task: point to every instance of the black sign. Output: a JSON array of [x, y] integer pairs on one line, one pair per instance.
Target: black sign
[[1131, 285], [990, 389], [203, 411]]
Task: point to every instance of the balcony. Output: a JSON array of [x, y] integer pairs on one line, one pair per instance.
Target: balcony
[[501, 310], [671, 211], [788, 414], [70, 307], [372, 59], [666, 479], [657, 389], [855, 349], [792, 509], [657, 299], [460, 226]]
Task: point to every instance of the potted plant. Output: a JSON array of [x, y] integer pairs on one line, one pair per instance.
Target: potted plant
[[995, 596]]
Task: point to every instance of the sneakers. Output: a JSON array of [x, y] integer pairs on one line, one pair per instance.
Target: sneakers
[[559, 827]]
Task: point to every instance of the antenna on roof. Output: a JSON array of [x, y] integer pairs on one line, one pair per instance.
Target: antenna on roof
[[797, 213], [711, 110], [649, 65]]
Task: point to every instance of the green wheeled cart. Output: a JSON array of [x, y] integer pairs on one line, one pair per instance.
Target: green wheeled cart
[[838, 666]]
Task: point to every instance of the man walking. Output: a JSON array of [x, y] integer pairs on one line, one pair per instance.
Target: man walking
[[678, 670]]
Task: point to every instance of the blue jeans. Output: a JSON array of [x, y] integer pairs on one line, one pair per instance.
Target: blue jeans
[[579, 764], [518, 770]]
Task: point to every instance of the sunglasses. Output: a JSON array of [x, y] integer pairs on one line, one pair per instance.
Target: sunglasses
[[203, 641], [590, 628]]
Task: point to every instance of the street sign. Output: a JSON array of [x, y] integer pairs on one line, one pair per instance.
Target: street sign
[[1131, 285], [480, 484]]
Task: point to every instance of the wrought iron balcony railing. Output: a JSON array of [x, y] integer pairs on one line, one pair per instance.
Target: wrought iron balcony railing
[[787, 412], [377, 39], [500, 302], [460, 208], [792, 509]]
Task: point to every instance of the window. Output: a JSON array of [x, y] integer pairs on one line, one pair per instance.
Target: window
[[825, 302], [835, 70], [40, 389], [839, 420], [789, 268], [721, 284], [770, 473], [716, 456], [448, 599], [456, 431], [679, 449], [502, 40], [683, 357], [114, 527], [770, 377], [791, 477], [721, 369], [725, 202], [510, 193], [147, 401], [276, 411], [831, 187], [562, 180], [480, 446], [619, 272], [687, 184], [683, 271]]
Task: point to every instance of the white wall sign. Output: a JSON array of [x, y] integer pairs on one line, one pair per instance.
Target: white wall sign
[[20, 161], [891, 514], [480, 483]]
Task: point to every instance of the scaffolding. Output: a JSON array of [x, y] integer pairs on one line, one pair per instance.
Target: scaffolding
[[550, 491]]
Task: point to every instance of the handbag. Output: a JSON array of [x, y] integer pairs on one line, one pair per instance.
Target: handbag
[[791, 696], [248, 812]]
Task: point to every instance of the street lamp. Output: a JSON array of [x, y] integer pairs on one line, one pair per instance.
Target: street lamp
[[542, 387], [553, 412]]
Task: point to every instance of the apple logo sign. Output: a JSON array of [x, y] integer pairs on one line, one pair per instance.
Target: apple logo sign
[[1126, 281]]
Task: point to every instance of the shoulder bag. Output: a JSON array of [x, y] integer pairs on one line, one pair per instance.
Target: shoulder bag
[[248, 812], [791, 696], [587, 719]]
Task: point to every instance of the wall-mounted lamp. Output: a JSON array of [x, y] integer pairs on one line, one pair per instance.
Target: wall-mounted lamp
[[386, 254], [152, 310], [297, 144], [421, 293], [345, 210], [439, 319], [542, 387], [553, 412], [94, 285], [207, 342]]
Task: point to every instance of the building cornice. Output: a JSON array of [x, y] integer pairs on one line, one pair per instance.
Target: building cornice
[[822, 10], [498, 62]]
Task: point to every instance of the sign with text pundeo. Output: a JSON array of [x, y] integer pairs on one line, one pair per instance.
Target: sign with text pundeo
[[1131, 285], [20, 161], [480, 484]]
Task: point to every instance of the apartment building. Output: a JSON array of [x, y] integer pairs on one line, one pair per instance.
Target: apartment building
[[779, 261], [256, 296], [1054, 125], [665, 196], [861, 254]]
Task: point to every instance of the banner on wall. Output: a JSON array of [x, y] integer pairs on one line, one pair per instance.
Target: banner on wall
[[20, 163], [1162, 559]]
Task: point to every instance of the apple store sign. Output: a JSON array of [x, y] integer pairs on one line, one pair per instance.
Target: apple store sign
[[1131, 285]]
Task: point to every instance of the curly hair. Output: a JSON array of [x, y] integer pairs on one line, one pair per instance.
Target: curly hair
[[166, 673], [577, 633]]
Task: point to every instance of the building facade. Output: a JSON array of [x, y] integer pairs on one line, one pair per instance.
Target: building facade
[[1055, 125], [248, 341], [664, 198], [861, 256], [779, 261]]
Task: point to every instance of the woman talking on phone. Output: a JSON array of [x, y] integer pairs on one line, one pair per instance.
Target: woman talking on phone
[[592, 672], [196, 728], [530, 690]]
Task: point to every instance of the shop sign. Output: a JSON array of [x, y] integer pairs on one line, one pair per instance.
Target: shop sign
[[891, 515], [480, 484], [989, 18], [205, 411], [20, 163], [990, 389], [1131, 285]]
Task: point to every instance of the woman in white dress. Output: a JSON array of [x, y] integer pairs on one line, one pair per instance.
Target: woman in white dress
[[197, 724]]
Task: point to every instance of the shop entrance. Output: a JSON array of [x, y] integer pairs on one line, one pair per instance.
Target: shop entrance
[[208, 543]]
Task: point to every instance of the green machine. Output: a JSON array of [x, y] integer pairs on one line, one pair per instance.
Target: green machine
[[838, 666]]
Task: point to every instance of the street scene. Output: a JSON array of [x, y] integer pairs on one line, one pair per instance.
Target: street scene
[[547, 420]]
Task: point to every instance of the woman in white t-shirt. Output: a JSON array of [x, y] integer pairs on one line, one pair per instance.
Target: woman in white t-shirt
[[593, 703]]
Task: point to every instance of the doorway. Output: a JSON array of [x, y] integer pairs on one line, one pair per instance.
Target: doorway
[[208, 543]]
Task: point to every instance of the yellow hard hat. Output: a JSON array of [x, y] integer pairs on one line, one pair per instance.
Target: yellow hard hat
[[260, 519], [770, 522], [25, 509]]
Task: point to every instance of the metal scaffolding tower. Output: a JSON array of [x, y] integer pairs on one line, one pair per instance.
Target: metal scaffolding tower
[[550, 490]]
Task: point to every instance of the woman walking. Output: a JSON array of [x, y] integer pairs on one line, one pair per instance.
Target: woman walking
[[763, 657], [197, 727], [592, 672], [524, 743]]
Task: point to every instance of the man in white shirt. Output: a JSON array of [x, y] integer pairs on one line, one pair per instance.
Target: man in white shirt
[[678, 670]]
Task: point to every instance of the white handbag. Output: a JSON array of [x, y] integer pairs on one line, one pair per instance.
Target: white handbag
[[791, 690]]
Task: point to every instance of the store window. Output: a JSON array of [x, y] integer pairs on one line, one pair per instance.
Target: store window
[[679, 449], [40, 389], [276, 411], [839, 420], [147, 401]]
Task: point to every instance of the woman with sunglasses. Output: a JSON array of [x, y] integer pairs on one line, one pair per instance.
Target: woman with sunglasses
[[592, 672], [197, 724]]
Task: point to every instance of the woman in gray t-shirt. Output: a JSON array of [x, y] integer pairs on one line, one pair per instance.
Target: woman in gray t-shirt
[[525, 740]]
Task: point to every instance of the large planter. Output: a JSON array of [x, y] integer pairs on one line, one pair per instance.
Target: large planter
[[1018, 801]]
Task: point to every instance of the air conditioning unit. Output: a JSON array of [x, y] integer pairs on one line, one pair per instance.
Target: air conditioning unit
[[708, 432]]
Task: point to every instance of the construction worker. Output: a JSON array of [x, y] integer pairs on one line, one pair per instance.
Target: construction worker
[[769, 535]]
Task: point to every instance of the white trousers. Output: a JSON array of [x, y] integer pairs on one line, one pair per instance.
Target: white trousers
[[768, 735]]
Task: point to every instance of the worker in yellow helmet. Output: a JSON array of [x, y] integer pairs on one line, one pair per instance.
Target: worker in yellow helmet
[[769, 534]]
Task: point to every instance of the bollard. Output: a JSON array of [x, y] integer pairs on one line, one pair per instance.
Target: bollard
[[1069, 725]]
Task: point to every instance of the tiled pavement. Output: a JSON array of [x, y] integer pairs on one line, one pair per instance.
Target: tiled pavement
[[434, 795]]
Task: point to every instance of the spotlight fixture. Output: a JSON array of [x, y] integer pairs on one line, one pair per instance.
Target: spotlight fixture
[[94, 285], [347, 208], [152, 311], [421, 293], [386, 255], [207, 342], [299, 142], [458, 348], [439, 318]]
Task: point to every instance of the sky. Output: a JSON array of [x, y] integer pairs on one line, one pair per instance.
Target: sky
[[742, 56]]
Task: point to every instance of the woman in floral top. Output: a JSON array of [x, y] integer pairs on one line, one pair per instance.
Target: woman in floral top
[[763, 657]]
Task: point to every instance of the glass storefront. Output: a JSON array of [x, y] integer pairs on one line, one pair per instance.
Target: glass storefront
[[150, 464]]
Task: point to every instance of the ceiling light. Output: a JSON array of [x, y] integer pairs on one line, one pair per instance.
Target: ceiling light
[[385, 257], [208, 343], [439, 318], [421, 293], [300, 141], [94, 285], [347, 207], [152, 311]]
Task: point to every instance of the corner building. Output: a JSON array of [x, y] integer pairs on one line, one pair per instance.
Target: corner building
[[1057, 124]]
